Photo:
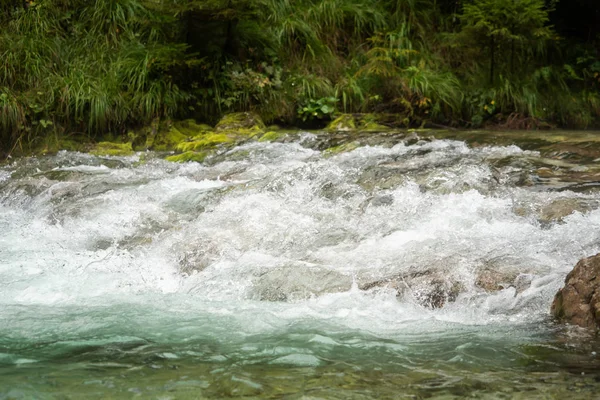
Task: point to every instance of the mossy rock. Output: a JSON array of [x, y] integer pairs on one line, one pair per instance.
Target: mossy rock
[[137, 139], [206, 141], [191, 128], [342, 148], [196, 156], [112, 149], [245, 123], [369, 123], [166, 140], [343, 123], [271, 136]]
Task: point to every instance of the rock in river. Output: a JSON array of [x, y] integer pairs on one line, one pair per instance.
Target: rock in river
[[578, 303], [430, 288]]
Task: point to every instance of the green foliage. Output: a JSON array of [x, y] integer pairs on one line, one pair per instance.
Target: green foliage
[[319, 109], [86, 66], [506, 28], [91, 67]]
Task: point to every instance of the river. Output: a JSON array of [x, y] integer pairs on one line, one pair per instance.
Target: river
[[404, 267]]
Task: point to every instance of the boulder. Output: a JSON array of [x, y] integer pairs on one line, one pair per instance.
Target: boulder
[[578, 303]]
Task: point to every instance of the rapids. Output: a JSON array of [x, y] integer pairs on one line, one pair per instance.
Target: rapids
[[402, 268]]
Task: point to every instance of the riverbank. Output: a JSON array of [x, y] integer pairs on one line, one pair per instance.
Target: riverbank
[[188, 140]]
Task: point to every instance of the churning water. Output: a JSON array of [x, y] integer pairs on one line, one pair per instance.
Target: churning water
[[400, 269]]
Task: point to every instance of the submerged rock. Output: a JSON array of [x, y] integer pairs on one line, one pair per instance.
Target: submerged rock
[[430, 288], [578, 303], [502, 273], [298, 282], [557, 210], [560, 208]]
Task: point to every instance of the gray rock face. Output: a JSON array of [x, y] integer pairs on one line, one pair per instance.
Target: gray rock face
[[578, 303]]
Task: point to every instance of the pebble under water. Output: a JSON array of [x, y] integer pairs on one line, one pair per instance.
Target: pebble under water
[[404, 268]]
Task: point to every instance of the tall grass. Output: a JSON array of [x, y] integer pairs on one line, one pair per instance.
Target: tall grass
[[89, 66]]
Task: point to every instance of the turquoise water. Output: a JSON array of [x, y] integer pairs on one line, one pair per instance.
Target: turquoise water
[[165, 351], [277, 270]]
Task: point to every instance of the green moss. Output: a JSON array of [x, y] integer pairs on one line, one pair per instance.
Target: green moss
[[70, 145], [196, 156], [112, 149], [245, 123], [190, 128], [166, 140], [203, 142], [369, 123], [343, 148], [374, 127], [344, 122], [271, 136]]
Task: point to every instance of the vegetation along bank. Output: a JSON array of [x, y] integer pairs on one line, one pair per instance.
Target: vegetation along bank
[[75, 70]]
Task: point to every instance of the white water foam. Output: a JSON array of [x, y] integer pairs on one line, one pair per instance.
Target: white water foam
[[212, 235]]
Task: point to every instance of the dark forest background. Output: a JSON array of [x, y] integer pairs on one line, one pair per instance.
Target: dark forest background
[[108, 65]]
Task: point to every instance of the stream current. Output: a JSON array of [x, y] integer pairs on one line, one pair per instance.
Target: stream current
[[404, 268]]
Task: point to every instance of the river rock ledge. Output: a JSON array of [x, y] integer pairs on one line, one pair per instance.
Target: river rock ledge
[[578, 303]]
